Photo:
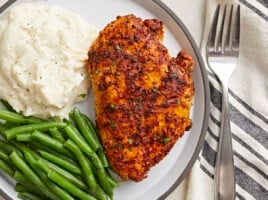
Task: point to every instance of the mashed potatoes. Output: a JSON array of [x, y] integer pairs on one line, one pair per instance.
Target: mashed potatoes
[[43, 50]]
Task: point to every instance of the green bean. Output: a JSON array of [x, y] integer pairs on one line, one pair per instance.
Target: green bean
[[78, 139], [18, 145], [113, 183], [83, 127], [18, 118], [102, 179], [53, 187], [31, 188], [8, 148], [2, 130], [38, 146], [102, 157], [22, 146], [28, 184], [87, 171], [57, 190], [43, 126], [50, 142], [20, 164], [61, 162], [68, 186], [46, 166], [100, 151], [22, 187], [80, 142], [4, 157], [25, 137], [96, 161], [99, 193], [31, 157], [4, 166], [28, 196], [6, 125], [91, 166], [30, 174], [56, 134], [71, 114], [92, 127], [19, 177]]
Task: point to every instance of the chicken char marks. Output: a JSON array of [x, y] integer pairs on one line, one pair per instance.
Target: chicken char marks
[[142, 95]]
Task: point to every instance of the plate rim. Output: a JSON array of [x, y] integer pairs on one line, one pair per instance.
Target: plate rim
[[205, 82]]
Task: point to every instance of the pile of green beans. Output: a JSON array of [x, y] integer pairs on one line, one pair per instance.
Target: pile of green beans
[[61, 160]]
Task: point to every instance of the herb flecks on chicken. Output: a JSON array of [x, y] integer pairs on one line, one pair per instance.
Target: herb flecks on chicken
[[142, 95]]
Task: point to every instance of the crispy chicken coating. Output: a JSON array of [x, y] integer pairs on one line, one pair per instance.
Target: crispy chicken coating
[[142, 95]]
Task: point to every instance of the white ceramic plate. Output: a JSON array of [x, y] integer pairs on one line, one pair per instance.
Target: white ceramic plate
[[163, 178]]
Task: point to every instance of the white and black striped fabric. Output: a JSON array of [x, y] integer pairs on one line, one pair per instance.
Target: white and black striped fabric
[[250, 143], [248, 113]]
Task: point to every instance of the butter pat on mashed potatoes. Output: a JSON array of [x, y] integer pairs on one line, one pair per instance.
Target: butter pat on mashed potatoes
[[42, 60]]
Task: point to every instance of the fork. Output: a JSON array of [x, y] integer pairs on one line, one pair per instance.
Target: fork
[[222, 56]]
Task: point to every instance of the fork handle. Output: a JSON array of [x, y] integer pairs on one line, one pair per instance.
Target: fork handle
[[224, 172]]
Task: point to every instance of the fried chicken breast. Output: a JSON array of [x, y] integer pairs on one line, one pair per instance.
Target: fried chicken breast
[[142, 95]]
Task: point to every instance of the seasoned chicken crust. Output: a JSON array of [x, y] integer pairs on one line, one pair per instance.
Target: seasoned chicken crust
[[142, 95]]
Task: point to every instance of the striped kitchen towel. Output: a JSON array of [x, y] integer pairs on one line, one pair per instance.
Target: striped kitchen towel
[[248, 100]]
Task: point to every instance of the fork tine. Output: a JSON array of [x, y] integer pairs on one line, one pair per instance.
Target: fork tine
[[228, 37], [213, 30], [219, 43], [236, 32]]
